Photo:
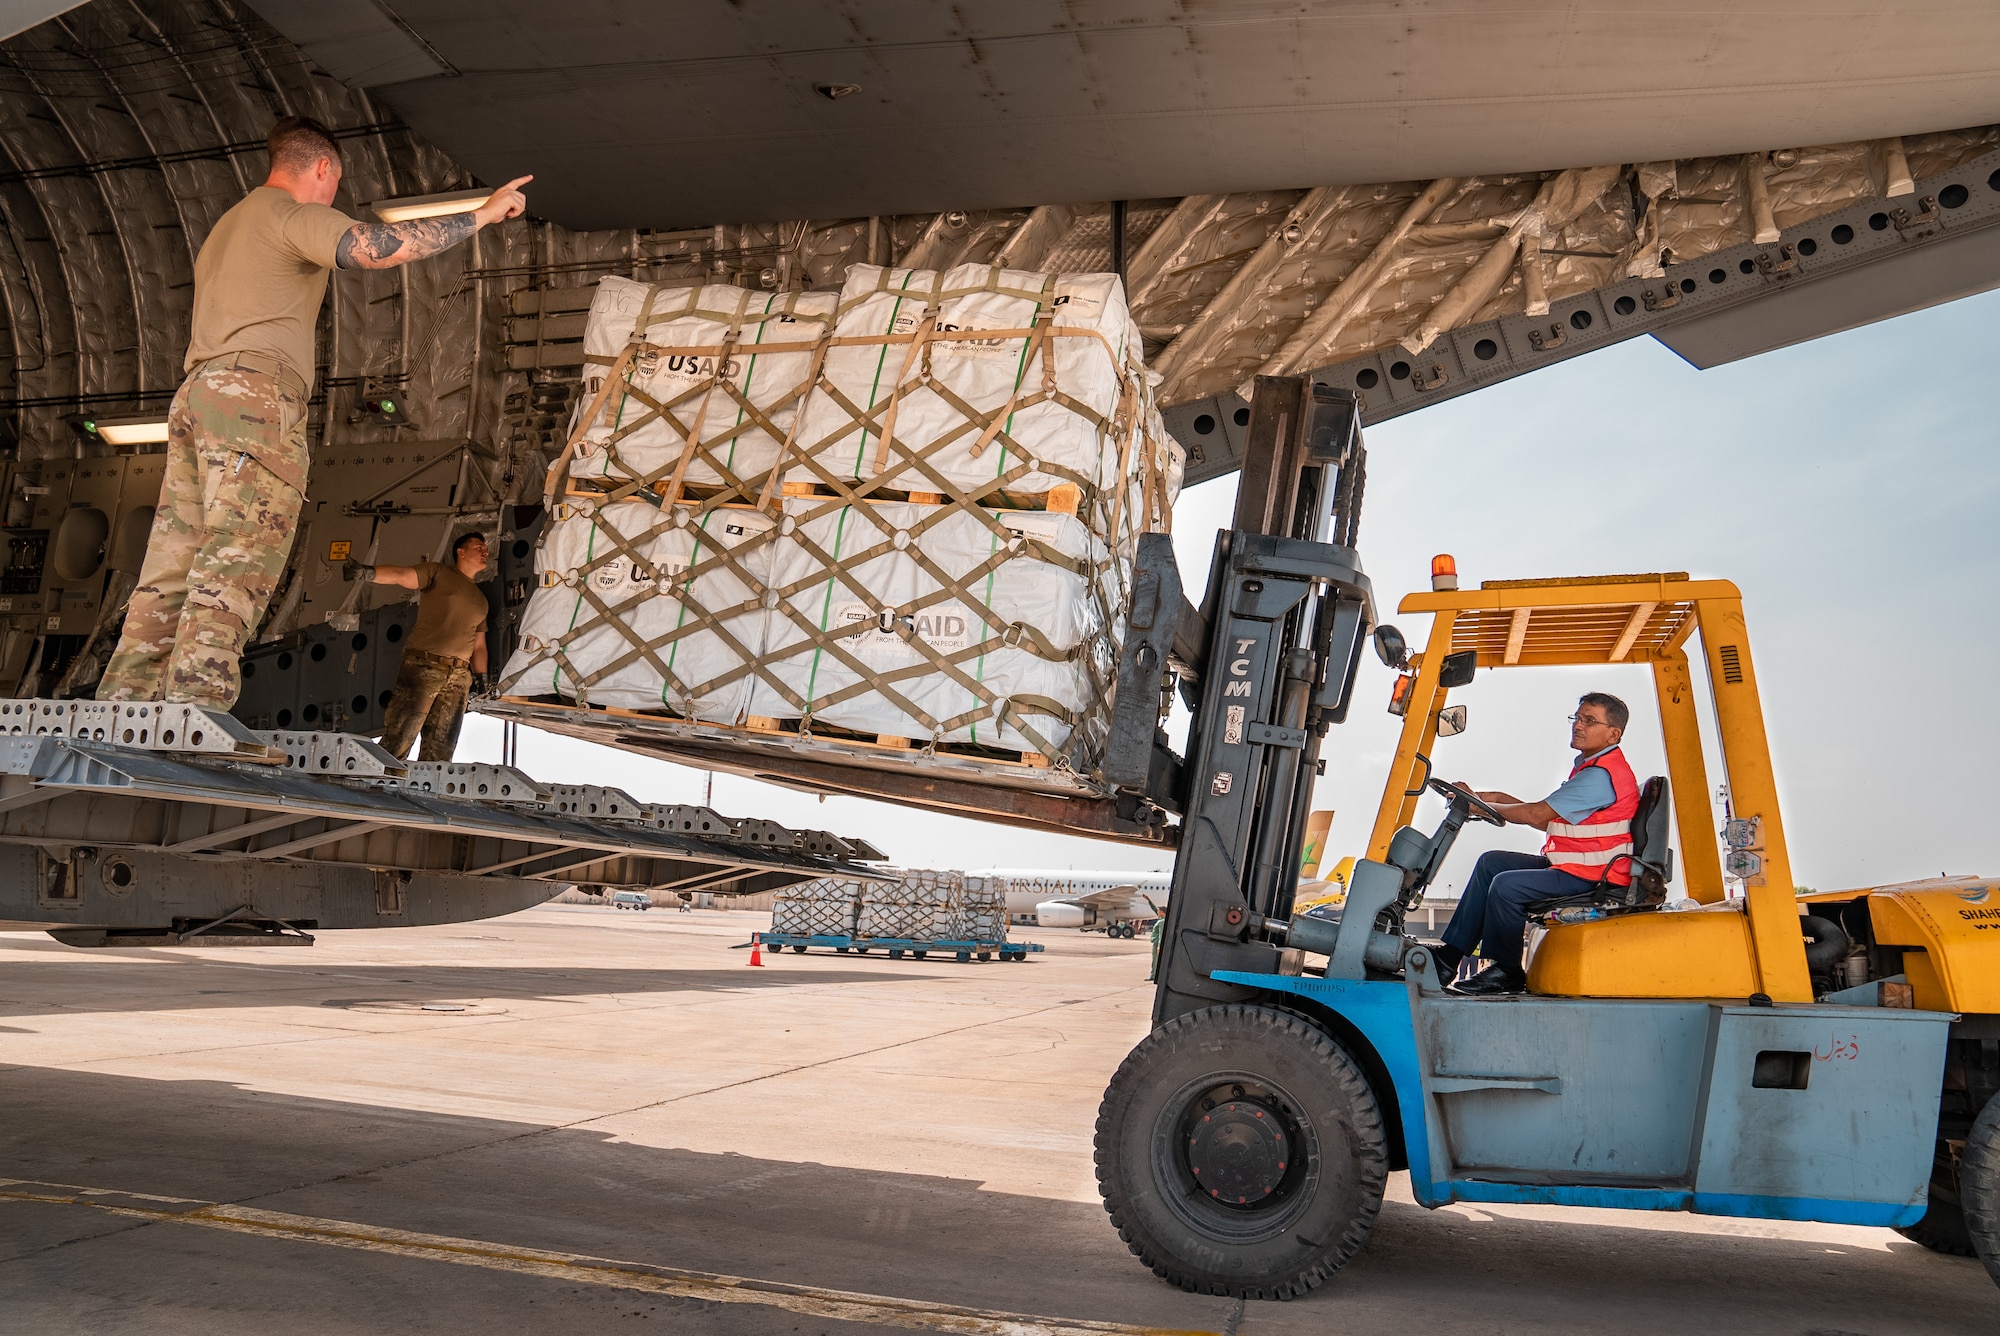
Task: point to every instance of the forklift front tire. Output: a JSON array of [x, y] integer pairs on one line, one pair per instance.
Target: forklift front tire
[[1979, 1186], [1240, 1151]]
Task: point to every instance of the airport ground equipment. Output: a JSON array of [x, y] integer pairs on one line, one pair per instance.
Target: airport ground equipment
[[895, 948], [148, 824], [1705, 1060], [1127, 928], [1835, 1060]]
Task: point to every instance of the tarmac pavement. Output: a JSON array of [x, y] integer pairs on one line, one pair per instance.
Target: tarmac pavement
[[621, 1126]]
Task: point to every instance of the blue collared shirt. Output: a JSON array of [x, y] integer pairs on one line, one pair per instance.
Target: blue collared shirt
[[1590, 790]]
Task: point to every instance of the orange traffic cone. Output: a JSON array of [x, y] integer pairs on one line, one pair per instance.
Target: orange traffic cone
[[756, 952]]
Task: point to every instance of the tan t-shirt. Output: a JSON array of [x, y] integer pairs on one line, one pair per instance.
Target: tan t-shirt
[[451, 612], [261, 277]]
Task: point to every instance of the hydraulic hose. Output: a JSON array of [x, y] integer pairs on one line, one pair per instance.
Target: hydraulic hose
[[1826, 945]]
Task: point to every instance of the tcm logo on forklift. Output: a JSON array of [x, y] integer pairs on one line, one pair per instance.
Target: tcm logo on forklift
[[1239, 667]]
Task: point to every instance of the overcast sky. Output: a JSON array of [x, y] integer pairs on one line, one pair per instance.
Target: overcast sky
[[1850, 486]]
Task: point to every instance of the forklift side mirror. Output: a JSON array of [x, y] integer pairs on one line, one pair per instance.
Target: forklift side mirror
[[1451, 721], [1391, 648], [1457, 669]]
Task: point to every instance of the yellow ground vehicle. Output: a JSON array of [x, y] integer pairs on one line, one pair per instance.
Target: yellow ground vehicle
[[1931, 946], [1835, 1058]]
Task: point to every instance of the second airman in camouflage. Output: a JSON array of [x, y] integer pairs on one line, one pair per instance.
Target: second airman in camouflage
[[445, 652]]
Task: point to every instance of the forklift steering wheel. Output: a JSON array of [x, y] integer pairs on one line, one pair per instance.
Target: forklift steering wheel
[[1479, 808]]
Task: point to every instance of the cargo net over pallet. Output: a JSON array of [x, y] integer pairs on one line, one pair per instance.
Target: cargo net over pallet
[[901, 516], [909, 905]]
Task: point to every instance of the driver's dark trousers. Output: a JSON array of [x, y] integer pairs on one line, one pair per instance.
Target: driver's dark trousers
[[1492, 918]]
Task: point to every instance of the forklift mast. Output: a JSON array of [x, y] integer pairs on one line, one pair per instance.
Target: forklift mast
[[1265, 665]]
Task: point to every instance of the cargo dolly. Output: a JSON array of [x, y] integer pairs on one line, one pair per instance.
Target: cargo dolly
[[149, 824], [896, 948]]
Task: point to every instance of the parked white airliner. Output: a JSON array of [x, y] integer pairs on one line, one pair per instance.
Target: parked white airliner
[[1052, 898], [1048, 898]]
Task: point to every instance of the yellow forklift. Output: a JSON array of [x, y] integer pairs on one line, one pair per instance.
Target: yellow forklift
[[1930, 945], [1832, 1056]]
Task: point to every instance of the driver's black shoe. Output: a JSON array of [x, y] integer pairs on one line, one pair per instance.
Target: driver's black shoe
[[1448, 959], [1493, 981]]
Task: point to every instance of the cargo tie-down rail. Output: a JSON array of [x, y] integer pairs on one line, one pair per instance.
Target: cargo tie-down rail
[[129, 823]]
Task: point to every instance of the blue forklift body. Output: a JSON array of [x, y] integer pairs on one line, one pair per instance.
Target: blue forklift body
[[1811, 1112]]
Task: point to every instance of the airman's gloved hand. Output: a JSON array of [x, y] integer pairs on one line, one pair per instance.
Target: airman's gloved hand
[[479, 685], [352, 569]]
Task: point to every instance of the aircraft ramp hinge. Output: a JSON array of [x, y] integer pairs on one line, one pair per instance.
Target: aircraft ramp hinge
[[243, 921]]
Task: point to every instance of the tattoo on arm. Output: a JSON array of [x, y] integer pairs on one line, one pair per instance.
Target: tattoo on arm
[[386, 245]]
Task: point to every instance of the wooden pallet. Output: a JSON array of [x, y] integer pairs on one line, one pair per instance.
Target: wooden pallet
[[762, 725], [757, 727], [1053, 798]]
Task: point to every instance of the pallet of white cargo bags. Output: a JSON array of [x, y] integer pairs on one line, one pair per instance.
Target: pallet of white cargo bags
[[895, 522], [915, 912]]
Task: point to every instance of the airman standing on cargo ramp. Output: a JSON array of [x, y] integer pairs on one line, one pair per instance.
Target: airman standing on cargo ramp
[[237, 458]]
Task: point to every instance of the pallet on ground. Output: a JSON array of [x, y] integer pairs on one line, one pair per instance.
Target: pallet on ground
[[895, 948]]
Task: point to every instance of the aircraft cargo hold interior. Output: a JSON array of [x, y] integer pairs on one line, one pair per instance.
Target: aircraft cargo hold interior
[[720, 665]]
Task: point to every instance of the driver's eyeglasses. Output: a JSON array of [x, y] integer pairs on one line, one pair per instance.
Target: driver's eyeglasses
[[1586, 719]]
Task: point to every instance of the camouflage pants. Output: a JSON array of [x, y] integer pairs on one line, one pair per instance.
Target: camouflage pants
[[430, 694], [235, 477]]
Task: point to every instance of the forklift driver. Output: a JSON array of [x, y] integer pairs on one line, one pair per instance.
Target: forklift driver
[[1589, 824]]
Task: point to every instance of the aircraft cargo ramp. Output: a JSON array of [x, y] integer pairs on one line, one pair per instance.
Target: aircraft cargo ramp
[[142, 824]]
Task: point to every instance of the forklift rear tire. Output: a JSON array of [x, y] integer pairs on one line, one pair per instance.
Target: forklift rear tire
[[1979, 1186], [1250, 1103], [1942, 1228]]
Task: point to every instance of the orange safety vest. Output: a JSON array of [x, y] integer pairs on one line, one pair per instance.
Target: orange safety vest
[[1599, 847]]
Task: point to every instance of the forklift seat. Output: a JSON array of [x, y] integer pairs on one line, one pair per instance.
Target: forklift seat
[[1652, 856], [1651, 862]]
